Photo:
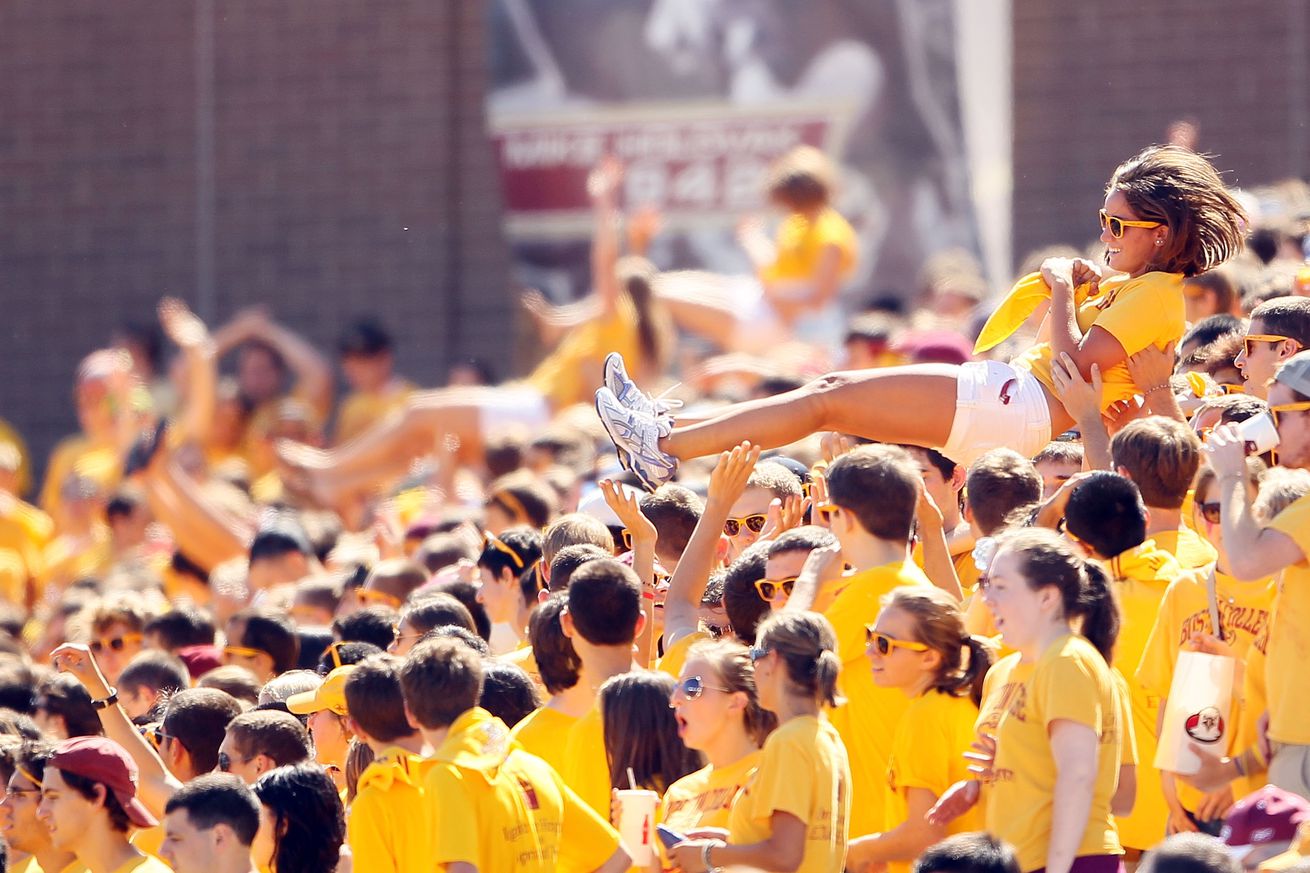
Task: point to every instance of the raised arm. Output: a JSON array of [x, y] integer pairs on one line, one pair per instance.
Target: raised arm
[[1254, 552], [204, 532], [687, 586], [624, 504], [196, 417]]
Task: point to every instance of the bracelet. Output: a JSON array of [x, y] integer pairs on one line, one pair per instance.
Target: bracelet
[[705, 856], [1161, 387], [108, 701], [649, 595]]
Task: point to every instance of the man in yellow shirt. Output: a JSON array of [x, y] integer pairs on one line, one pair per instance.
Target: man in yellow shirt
[[602, 617], [540, 732], [1106, 516], [21, 829], [388, 826], [368, 362], [1161, 456], [873, 492], [81, 777], [209, 826], [489, 805]]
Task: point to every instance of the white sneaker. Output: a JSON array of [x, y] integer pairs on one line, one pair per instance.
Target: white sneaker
[[628, 394], [636, 435]]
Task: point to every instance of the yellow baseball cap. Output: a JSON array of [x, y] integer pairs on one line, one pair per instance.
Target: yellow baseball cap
[[330, 695]]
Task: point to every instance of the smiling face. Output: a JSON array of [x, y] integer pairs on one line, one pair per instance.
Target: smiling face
[[1258, 367], [753, 501], [901, 667], [1016, 608], [1134, 251]]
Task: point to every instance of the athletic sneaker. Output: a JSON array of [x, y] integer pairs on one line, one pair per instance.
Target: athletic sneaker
[[636, 435], [628, 394]]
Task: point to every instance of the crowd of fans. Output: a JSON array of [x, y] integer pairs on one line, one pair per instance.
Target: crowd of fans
[[926, 612]]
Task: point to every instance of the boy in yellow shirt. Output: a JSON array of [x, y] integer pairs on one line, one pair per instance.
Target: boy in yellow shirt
[[540, 732], [489, 805], [1106, 516], [873, 492], [388, 828]]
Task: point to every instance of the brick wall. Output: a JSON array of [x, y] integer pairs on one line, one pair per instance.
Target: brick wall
[[349, 173], [1095, 82]]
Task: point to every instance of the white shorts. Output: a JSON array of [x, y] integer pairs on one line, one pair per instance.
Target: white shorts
[[513, 407], [997, 406]]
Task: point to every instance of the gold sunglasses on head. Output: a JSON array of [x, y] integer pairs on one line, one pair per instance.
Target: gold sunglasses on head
[[1117, 225], [490, 539]]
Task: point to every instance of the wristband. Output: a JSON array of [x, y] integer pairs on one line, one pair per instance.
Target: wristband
[[1161, 387], [705, 856], [649, 595], [108, 701]]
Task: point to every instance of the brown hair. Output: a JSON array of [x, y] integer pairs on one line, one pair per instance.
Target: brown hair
[[524, 497], [939, 625], [1161, 455], [557, 661], [775, 479], [732, 662], [1255, 472], [1181, 189], [1280, 488], [641, 733], [807, 646], [998, 483], [1285, 316], [880, 486], [655, 330], [801, 179], [441, 680], [674, 510], [574, 529], [374, 699]]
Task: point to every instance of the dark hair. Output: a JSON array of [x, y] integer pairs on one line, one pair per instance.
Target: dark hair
[[397, 577], [182, 626], [460, 634], [524, 542], [525, 498], [732, 662], [880, 486], [1219, 283], [557, 661], [467, 594], [278, 735], [1060, 452], [232, 679], [1236, 407], [805, 538], [32, 755], [775, 478], [604, 602], [1181, 189], [156, 670], [218, 798], [434, 610], [1212, 327], [674, 510], [1286, 316], [567, 561], [741, 601], [309, 820], [1046, 558], [17, 686], [939, 625], [441, 679], [374, 624], [1106, 512], [656, 333], [801, 179], [641, 732], [968, 853], [374, 699], [998, 483], [507, 692], [313, 643], [125, 500], [86, 787], [366, 337], [282, 536], [1189, 853], [574, 529], [440, 550], [270, 632], [18, 724], [198, 718], [807, 646], [1161, 456], [346, 653], [61, 695]]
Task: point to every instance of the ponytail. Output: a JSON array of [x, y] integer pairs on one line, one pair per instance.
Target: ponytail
[[826, 670], [939, 625], [975, 669], [1099, 610], [806, 645]]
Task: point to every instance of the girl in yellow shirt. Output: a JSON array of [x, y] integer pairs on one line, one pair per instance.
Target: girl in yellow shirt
[[793, 814], [718, 714], [919, 646], [1166, 216]]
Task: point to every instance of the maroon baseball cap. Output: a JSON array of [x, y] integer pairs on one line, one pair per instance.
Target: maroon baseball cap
[[1270, 815], [200, 659], [105, 761]]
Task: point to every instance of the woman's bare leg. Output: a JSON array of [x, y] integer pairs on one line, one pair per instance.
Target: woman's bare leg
[[914, 405]]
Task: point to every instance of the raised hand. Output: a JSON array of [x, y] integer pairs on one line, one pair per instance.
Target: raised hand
[[728, 481]]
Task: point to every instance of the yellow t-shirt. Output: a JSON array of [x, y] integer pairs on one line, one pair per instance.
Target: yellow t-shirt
[[676, 655], [360, 409], [523, 658], [803, 771], [77, 454], [966, 568], [1070, 681], [1289, 638], [704, 799], [145, 864], [1137, 312], [800, 243], [928, 752], [1255, 702], [1244, 611], [21, 560], [499, 808], [1189, 548], [867, 720], [540, 734], [67, 559], [571, 373], [1141, 576], [389, 822], [9, 435], [586, 768]]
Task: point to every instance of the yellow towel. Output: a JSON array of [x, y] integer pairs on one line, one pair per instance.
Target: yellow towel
[[1022, 301]]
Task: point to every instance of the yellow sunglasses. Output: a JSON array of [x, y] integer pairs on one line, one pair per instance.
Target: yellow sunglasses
[[242, 652], [768, 588], [1262, 338], [1117, 224], [372, 595], [885, 644], [753, 523], [1275, 411]]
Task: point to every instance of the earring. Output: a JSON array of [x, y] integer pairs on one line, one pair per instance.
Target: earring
[[1159, 242]]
